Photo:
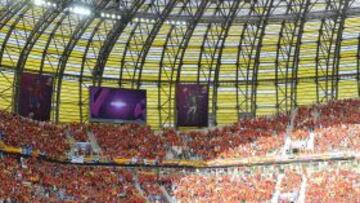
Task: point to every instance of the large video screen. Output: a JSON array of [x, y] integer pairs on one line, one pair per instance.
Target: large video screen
[[192, 105], [117, 105], [35, 96]]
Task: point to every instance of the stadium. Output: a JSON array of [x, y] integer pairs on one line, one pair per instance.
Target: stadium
[[180, 101]]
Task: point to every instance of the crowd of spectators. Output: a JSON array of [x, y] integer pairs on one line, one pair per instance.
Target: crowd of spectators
[[291, 181], [334, 186], [265, 135], [34, 180], [335, 127], [149, 182], [225, 188], [40, 181], [341, 138], [250, 137], [78, 131], [330, 183], [129, 141], [22, 132], [333, 113]]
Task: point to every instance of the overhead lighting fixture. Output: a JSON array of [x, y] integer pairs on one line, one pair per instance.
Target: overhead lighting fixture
[[39, 2], [80, 10]]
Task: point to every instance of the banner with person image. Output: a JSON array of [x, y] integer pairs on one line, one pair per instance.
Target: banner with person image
[[117, 105], [35, 96], [192, 105]]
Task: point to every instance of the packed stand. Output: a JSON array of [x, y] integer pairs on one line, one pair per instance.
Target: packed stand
[[314, 183], [331, 114], [250, 137], [334, 126], [22, 132], [332, 123], [32, 180], [39, 181], [151, 186], [129, 141], [341, 138], [225, 188], [291, 181], [78, 131], [334, 186]]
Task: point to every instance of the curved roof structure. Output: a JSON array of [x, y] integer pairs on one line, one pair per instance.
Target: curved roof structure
[[257, 56]]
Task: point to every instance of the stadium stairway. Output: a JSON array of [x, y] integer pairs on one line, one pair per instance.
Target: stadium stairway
[[96, 149], [166, 195], [72, 143], [302, 196], [298, 197], [276, 194], [141, 192]]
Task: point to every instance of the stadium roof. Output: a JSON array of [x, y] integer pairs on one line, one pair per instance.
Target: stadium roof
[[257, 56]]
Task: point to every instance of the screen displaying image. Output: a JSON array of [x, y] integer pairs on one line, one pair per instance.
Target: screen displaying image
[[117, 105], [192, 105], [35, 96]]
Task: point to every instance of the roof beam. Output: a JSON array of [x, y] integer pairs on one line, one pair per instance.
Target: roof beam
[[112, 38], [78, 32]]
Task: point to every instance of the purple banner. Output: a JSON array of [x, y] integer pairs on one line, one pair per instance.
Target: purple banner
[[192, 105], [115, 104], [35, 96]]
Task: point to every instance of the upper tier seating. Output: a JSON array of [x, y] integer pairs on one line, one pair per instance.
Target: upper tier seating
[[335, 127]]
